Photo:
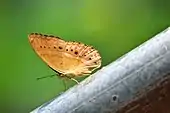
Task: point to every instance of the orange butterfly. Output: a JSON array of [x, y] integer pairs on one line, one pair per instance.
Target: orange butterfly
[[68, 59]]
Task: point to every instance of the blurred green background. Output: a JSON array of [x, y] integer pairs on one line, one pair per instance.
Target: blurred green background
[[114, 27]]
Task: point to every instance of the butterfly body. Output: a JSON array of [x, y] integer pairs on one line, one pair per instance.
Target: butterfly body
[[68, 58]]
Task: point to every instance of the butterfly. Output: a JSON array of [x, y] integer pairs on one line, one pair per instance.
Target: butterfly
[[68, 59]]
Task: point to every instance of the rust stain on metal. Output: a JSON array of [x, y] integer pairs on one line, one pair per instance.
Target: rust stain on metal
[[156, 100]]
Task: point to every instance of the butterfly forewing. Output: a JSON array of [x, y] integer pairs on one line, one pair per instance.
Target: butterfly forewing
[[68, 58]]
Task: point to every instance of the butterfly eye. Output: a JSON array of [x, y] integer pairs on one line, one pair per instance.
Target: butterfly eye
[[54, 47], [40, 46]]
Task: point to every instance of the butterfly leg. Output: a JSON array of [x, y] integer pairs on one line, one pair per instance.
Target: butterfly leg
[[72, 79], [75, 80], [65, 85], [64, 82]]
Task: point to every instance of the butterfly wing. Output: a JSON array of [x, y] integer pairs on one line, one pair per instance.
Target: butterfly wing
[[69, 58], [89, 58], [49, 49]]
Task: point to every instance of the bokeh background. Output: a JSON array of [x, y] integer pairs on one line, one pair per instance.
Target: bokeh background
[[114, 27]]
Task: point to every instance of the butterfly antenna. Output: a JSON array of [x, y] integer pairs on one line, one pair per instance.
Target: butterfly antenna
[[46, 77]]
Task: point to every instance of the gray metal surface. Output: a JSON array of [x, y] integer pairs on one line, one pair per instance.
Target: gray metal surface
[[117, 84]]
